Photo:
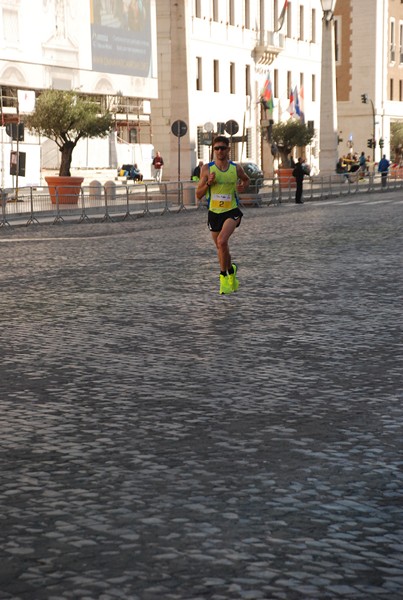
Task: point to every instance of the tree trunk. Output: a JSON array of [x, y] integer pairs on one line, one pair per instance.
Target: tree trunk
[[285, 158], [67, 152]]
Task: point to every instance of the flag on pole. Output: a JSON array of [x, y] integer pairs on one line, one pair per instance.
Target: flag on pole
[[281, 18], [296, 103], [291, 106], [266, 95], [302, 105]]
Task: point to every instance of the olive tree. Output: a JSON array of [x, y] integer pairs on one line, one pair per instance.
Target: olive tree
[[65, 117], [289, 134]]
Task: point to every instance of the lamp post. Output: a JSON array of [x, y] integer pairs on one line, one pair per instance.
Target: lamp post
[[328, 140], [365, 100]]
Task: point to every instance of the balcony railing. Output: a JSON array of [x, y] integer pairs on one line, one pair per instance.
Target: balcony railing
[[268, 47]]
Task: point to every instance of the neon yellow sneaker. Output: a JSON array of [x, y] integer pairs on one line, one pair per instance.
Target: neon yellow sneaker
[[234, 282], [225, 285]]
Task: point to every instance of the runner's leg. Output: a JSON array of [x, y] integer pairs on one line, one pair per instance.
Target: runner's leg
[[221, 241]]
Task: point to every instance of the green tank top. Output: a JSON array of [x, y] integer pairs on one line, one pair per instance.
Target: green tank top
[[222, 194]]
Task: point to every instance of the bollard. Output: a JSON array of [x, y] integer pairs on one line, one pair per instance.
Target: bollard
[[96, 191]]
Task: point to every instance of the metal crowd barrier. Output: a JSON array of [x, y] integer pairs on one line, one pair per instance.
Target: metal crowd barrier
[[96, 202], [112, 202], [333, 186]]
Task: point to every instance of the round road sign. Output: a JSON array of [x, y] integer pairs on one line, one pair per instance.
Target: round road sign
[[231, 127], [179, 128]]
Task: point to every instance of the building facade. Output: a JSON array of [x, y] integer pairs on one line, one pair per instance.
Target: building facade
[[105, 49], [214, 57], [369, 72], [204, 63]]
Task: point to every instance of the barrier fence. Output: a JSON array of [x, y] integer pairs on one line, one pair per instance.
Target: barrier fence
[[110, 202], [333, 186], [96, 202]]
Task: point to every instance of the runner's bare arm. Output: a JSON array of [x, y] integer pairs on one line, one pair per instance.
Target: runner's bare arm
[[243, 179], [206, 179]]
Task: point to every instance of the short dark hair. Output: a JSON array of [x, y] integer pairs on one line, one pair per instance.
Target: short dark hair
[[221, 138]]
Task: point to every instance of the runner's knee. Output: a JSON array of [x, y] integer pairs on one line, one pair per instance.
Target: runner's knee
[[222, 241]]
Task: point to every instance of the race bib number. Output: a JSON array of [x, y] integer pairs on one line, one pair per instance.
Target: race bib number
[[221, 201]]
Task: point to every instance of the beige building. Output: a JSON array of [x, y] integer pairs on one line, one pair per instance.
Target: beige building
[[369, 59]]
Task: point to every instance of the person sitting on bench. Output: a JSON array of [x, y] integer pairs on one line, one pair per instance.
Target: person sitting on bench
[[135, 173]]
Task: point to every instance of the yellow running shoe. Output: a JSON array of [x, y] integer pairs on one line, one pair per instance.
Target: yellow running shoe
[[225, 285], [234, 282]]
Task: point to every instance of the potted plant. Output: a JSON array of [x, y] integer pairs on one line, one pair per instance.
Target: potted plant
[[286, 136], [396, 148], [66, 117]]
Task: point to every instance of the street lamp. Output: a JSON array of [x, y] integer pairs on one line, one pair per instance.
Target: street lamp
[[328, 7], [328, 141]]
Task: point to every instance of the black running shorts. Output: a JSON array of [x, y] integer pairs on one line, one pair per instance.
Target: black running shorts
[[215, 221]]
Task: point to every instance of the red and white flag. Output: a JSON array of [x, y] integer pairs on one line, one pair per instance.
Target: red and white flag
[[291, 106]]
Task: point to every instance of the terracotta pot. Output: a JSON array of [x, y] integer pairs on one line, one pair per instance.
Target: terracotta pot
[[67, 189], [285, 178], [396, 172]]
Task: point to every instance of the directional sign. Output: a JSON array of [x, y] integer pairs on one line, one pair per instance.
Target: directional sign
[[239, 138], [179, 128], [231, 127], [206, 138]]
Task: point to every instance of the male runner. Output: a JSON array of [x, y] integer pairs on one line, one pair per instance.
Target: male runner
[[220, 181]]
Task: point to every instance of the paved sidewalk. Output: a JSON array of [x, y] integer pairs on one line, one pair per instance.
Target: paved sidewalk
[[160, 442]]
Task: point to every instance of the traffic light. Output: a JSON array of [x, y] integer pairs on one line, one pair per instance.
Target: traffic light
[[15, 131], [369, 143], [381, 143], [364, 98]]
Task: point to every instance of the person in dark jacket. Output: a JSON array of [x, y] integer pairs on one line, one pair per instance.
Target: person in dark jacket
[[383, 168], [135, 173], [158, 163], [196, 171], [299, 173]]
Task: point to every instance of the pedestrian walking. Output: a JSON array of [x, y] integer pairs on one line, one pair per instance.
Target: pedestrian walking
[[158, 163], [299, 174], [220, 182], [383, 168]]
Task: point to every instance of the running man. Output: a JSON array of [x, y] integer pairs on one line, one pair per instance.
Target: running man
[[220, 181]]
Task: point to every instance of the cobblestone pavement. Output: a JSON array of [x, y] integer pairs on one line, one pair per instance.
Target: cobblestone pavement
[[160, 442]]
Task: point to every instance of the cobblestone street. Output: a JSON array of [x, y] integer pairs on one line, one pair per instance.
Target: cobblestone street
[[162, 442]]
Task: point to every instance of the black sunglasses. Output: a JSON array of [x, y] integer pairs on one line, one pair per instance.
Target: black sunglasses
[[220, 148]]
